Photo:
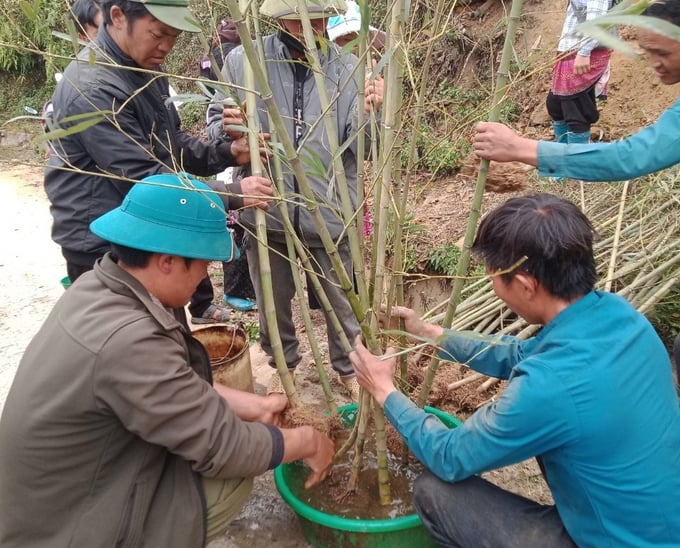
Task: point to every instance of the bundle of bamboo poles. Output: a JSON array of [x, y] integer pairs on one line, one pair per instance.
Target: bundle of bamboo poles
[[637, 256]]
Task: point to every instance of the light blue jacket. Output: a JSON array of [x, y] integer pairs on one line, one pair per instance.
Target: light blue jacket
[[592, 395], [651, 149]]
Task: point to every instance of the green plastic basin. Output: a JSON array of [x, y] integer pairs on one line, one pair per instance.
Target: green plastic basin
[[325, 530]]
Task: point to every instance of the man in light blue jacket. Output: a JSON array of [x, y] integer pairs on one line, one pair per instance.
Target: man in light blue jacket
[[590, 397]]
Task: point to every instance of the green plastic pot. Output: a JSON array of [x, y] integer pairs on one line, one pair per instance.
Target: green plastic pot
[[65, 282], [325, 530]]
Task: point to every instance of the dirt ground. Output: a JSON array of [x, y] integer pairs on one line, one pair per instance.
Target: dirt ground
[[31, 264]]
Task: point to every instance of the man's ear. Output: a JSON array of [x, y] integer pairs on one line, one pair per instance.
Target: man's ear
[[118, 19], [164, 263], [528, 284]]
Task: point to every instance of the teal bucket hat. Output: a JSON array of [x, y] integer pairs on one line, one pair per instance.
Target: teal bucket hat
[[174, 13], [173, 214]]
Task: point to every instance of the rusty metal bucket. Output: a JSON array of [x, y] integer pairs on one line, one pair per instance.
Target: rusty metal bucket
[[229, 352]]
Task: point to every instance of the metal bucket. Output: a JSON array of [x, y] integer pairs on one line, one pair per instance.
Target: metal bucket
[[229, 353]]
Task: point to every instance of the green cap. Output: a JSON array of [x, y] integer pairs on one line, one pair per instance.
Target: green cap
[[173, 214], [288, 9], [174, 13]]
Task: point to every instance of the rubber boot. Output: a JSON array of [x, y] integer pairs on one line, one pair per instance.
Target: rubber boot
[[578, 138], [560, 130]]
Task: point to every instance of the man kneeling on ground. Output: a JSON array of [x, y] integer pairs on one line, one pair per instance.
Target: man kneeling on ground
[[113, 433], [591, 397]]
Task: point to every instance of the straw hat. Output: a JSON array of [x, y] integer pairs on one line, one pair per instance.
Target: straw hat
[[288, 9]]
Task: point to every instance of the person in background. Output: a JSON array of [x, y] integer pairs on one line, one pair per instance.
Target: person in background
[[590, 397], [294, 90], [571, 102], [239, 293], [88, 18], [343, 29], [113, 432], [226, 38], [89, 172], [651, 149]]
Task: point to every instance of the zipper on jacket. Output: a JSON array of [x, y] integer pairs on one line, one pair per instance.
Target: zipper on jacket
[[300, 72]]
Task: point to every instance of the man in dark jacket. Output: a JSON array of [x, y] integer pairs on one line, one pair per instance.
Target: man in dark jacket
[[136, 131], [112, 433]]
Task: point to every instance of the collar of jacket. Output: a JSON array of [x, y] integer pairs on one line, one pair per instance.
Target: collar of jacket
[[119, 281], [284, 52]]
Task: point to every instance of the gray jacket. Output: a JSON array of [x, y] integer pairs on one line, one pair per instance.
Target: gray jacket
[[110, 423], [342, 83], [142, 137]]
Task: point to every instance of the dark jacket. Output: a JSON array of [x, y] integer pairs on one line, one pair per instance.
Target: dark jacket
[[89, 172], [111, 422]]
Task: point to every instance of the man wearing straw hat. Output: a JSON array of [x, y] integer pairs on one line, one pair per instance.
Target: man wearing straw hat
[[117, 83], [112, 433], [294, 90], [590, 397]]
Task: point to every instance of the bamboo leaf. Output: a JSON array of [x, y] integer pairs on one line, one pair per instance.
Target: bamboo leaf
[[30, 10], [88, 119], [652, 24], [379, 66], [186, 98], [313, 162], [605, 38]]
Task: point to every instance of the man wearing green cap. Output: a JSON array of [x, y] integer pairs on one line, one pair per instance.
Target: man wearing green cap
[[294, 90], [136, 134], [113, 433]]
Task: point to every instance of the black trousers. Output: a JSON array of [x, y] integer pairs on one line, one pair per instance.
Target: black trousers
[[578, 111]]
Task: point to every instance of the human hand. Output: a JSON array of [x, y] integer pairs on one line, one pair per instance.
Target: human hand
[[321, 459], [374, 89], [233, 121], [256, 192], [273, 405], [374, 373], [412, 323], [581, 64], [498, 142]]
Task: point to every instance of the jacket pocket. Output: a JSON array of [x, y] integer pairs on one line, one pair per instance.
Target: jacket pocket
[[131, 531]]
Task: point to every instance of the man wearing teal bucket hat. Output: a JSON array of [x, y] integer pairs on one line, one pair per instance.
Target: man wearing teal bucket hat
[[112, 432], [115, 100]]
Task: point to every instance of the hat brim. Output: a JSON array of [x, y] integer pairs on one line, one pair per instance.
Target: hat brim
[[120, 227], [177, 17], [312, 15]]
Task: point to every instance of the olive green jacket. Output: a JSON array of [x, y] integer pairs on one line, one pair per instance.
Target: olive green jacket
[[110, 423]]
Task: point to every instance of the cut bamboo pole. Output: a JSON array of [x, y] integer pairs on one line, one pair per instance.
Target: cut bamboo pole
[[475, 210]]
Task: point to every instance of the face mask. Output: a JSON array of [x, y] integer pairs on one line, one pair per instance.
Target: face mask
[[293, 43]]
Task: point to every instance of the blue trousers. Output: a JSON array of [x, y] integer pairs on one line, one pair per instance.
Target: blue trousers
[[475, 513]]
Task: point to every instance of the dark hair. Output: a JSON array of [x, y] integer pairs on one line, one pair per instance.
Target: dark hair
[[135, 257], [552, 233], [132, 10], [668, 10], [84, 12]]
